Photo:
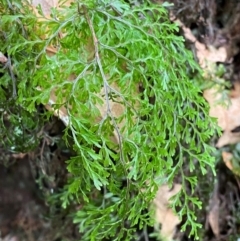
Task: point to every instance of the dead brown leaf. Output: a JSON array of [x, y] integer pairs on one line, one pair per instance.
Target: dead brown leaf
[[207, 56], [164, 215], [227, 114]]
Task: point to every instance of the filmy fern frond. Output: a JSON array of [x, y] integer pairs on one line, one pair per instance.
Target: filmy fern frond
[[114, 52]]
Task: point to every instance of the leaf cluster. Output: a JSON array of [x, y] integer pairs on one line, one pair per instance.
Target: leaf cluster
[[165, 121]]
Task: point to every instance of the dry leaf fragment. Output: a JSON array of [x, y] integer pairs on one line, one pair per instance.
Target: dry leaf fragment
[[10, 238], [213, 216], [3, 59], [229, 161], [227, 157], [227, 114], [20, 155], [46, 5], [164, 215], [235, 92]]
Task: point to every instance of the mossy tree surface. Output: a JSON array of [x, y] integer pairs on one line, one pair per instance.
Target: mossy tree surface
[[99, 44]]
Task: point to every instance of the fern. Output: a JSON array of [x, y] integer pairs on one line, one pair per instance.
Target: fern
[[164, 125]]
